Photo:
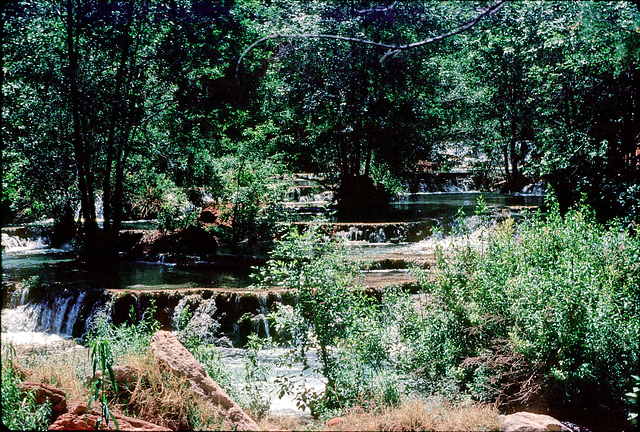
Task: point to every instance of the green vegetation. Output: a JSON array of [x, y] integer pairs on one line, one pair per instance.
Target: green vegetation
[[533, 314], [132, 338], [101, 360], [540, 313], [19, 408], [137, 105]]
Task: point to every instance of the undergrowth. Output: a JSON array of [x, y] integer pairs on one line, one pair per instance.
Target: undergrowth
[[542, 313], [19, 408], [546, 313]]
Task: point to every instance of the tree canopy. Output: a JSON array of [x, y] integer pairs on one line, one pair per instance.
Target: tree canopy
[[129, 103]]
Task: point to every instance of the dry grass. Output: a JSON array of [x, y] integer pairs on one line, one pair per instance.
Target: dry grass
[[157, 396], [418, 415], [64, 366], [162, 398], [286, 423]]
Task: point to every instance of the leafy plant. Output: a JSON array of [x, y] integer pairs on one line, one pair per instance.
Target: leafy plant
[[101, 360], [546, 310], [133, 337], [255, 195], [19, 408], [256, 377], [634, 397], [335, 318]]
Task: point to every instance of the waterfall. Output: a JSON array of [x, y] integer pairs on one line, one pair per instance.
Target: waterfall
[[537, 189], [52, 317], [196, 317], [20, 319], [72, 316], [262, 316], [12, 243], [56, 314]]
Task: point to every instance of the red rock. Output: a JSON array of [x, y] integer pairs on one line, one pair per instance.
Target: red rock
[[530, 422], [70, 421], [170, 353], [123, 374], [44, 392], [335, 421]]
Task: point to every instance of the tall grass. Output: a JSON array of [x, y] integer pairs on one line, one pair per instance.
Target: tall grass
[[19, 409]]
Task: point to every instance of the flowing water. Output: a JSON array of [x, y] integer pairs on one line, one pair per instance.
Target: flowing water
[[75, 296]]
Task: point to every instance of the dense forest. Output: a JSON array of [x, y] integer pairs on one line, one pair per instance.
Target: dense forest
[[146, 107]]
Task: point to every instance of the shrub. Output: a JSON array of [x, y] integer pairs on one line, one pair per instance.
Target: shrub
[[252, 188], [127, 339], [547, 309], [333, 317], [19, 409]]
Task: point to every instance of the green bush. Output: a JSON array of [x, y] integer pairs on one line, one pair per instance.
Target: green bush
[[255, 194], [547, 309], [153, 195], [127, 339], [545, 313], [19, 409], [334, 317]]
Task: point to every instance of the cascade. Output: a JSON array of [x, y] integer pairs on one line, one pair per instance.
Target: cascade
[[13, 243], [196, 316], [262, 316], [56, 314], [72, 316]]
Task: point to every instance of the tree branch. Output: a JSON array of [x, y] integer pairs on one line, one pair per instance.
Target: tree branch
[[392, 49], [378, 9]]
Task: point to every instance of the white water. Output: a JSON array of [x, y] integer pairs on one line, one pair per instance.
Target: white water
[[196, 317], [56, 318], [235, 361], [16, 244]]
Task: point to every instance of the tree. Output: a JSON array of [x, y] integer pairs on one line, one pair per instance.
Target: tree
[[36, 162], [357, 116]]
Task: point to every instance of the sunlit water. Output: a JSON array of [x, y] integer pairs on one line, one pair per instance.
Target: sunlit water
[[235, 361]]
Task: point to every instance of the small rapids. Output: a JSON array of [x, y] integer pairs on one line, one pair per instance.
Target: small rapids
[[17, 244], [212, 304]]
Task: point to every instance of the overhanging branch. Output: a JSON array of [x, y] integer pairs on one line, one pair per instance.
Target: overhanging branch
[[391, 49]]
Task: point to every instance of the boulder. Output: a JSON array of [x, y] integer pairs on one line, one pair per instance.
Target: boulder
[[530, 422], [170, 353], [78, 419], [26, 374], [335, 421], [123, 374], [44, 393]]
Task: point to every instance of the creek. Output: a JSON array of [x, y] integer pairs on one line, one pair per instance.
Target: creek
[[221, 297]]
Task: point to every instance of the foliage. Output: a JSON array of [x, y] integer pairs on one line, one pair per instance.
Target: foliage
[[250, 184], [102, 360], [633, 399], [333, 318], [256, 378], [115, 99], [132, 338], [109, 343], [547, 309], [526, 314], [19, 408]]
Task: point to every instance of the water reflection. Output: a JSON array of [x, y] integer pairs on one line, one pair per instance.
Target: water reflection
[[62, 267]]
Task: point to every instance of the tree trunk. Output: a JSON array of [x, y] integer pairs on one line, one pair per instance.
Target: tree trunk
[[87, 200]]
